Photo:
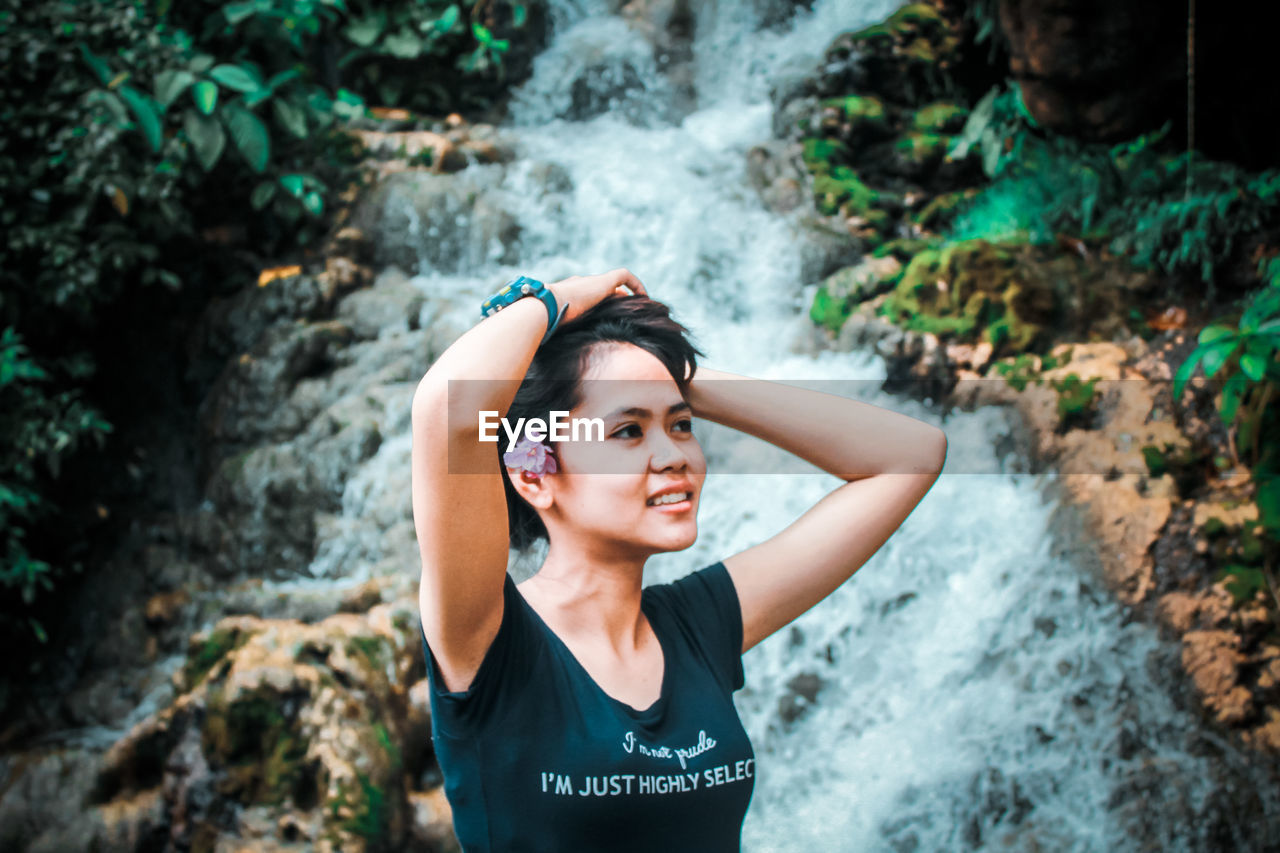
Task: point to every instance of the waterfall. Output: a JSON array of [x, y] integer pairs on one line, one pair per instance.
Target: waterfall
[[970, 688]]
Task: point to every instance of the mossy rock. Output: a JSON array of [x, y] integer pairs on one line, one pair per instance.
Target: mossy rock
[[918, 153], [260, 747], [940, 117], [908, 54], [941, 209], [909, 23], [974, 290], [207, 649], [865, 116], [839, 292], [841, 187], [821, 154]]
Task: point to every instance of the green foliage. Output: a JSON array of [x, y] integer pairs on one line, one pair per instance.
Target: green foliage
[[370, 809], [1075, 397], [1244, 350], [136, 128], [1133, 195], [44, 428], [209, 653]]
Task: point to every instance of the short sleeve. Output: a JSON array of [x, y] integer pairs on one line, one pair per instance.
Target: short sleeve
[[706, 606], [502, 676]]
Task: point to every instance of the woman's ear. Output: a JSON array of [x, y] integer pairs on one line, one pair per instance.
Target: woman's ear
[[534, 488]]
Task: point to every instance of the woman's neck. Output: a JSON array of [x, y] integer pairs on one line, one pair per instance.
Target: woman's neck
[[592, 601]]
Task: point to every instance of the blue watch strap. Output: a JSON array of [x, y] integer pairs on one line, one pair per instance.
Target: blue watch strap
[[522, 286]]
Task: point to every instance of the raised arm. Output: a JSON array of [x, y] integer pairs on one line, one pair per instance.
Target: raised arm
[[461, 518], [890, 461]]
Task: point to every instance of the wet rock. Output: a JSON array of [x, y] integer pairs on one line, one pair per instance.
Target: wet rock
[[845, 288], [1213, 659], [445, 222], [302, 726], [802, 693], [432, 821], [1064, 63], [391, 305], [776, 172]]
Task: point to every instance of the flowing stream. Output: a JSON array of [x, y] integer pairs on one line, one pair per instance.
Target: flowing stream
[[973, 690]]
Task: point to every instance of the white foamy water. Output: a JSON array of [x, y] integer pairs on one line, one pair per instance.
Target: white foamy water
[[976, 691]]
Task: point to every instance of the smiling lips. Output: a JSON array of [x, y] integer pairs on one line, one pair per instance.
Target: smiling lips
[[672, 501]]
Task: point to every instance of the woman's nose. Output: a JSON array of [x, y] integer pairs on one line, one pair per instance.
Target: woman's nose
[[669, 453]]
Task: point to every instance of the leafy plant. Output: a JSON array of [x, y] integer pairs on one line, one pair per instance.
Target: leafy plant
[[1246, 353]]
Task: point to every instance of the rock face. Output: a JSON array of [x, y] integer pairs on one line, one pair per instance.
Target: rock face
[[316, 736], [1069, 58]]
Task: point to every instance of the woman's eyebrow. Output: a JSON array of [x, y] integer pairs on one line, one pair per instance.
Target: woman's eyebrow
[[638, 412]]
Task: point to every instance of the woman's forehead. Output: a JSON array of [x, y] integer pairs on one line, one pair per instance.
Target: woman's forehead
[[601, 397]]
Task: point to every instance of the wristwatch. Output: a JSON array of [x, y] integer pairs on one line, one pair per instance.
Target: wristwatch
[[518, 288]]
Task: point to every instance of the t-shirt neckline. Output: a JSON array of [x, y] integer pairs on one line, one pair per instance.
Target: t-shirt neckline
[[654, 710]]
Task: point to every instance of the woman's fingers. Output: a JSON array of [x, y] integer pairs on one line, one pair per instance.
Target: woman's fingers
[[627, 279]]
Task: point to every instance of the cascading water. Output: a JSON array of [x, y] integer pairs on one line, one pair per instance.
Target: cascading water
[[966, 688]]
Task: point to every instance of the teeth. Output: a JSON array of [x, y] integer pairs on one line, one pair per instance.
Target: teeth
[[673, 498]]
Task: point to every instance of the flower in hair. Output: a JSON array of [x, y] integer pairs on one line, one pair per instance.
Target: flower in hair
[[532, 456]]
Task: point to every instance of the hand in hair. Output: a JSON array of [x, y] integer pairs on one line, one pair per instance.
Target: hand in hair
[[584, 292]]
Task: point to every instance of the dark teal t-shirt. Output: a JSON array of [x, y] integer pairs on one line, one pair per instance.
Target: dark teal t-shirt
[[537, 757]]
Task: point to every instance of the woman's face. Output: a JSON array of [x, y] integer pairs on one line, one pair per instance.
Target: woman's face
[[603, 491]]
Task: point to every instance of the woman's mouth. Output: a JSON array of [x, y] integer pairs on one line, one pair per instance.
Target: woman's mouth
[[672, 502]]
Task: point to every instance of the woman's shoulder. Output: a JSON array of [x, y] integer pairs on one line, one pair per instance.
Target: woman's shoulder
[[505, 666]]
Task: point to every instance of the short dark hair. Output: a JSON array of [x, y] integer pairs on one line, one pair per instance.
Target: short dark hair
[[554, 379]]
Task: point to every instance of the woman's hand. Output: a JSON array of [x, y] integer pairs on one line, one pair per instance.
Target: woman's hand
[[584, 292]]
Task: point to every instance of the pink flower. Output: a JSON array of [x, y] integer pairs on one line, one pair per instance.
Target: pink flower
[[532, 456]]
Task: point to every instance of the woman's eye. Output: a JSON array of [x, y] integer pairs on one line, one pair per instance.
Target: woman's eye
[[619, 433], [686, 424]]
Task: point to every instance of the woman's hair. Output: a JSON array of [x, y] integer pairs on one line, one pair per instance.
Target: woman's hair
[[554, 379]]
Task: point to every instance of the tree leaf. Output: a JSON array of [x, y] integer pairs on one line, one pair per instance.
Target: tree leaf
[[237, 12], [365, 31], [448, 19], [293, 184], [291, 116], [262, 195], [234, 77], [313, 203], [1253, 366], [1219, 352], [99, 68], [170, 84], [206, 135], [205, 94], [250, 136], [148, 117]]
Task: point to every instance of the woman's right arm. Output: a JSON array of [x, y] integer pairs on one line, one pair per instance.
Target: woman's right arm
[[461, 518]]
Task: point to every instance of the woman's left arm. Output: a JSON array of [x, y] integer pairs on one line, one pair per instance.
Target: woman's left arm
[[890, 461]]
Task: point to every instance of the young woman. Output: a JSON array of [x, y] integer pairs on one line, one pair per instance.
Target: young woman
[[577, 711]]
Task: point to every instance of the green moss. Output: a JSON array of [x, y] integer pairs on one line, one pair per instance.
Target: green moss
[[940, 117], [370, 648], [384, 738], [843, 188], [1075, 399], [904, 23], [974, 291], [819, 151], [1019, 371], [942, 209], [859, 110], [206, 655], [906, 248], [828, 311], [260, 748], [368, 806], [920, 147]]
